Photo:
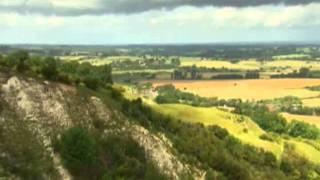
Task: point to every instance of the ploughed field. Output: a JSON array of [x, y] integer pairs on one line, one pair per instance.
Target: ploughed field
[[247, 89]]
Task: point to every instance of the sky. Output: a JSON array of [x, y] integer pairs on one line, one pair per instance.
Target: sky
[[158, 21]]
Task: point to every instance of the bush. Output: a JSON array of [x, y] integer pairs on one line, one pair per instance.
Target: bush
[[57, 70], [78, 150], [20, 58], [49, 69], [304, 130], [92, 156], [266, 137], [22, 153], [91, 82]]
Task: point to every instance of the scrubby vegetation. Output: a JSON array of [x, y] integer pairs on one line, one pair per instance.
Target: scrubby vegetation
[[212, 148], [314, 88], [19, 157], [272, 121], [292, 105], [92, 153], [56, 70], [89, 155]]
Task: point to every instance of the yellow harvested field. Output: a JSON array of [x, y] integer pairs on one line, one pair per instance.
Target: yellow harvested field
[[242, 65], [71, 58], [311, 102], [251, 64], [247, 89], [294, 64], [314, 120]]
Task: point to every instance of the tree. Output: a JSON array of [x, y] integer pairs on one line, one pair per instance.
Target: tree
[[106, 74], [18, 59], [252, 75], [91, 82], [78, 150], [177, 74], [1, 60], [175, 61], [304, 130], [49, 69], [304, 72], [194, 72]]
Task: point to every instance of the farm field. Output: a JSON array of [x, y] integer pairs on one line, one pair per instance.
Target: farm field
[[239, 126], [247, 89], [249, 64], [97, 61], [285, 65], [311, 102], [242, 65], [315, 120]]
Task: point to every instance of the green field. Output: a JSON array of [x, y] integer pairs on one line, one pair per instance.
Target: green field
[[239, 126]]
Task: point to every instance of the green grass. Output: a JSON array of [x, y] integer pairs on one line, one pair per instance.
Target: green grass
[[239, 126], [306, 150]]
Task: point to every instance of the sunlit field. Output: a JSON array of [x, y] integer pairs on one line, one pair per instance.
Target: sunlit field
[[311, 102], [239, 126], [247, 89], [293, 64], [315, 120], [285, 65], [271, 66], [242, 65]]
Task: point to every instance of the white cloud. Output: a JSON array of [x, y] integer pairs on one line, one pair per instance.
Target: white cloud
[[253, 17], [49, 21], [264, 16], [94, 7], [9, 3], [181, 24], [75, 3]]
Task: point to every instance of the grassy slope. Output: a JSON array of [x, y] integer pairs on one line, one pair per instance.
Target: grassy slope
[[229, 121], [239, 126], [307, 150]]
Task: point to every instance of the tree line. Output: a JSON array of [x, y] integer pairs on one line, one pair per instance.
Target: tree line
[[194, 73]]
